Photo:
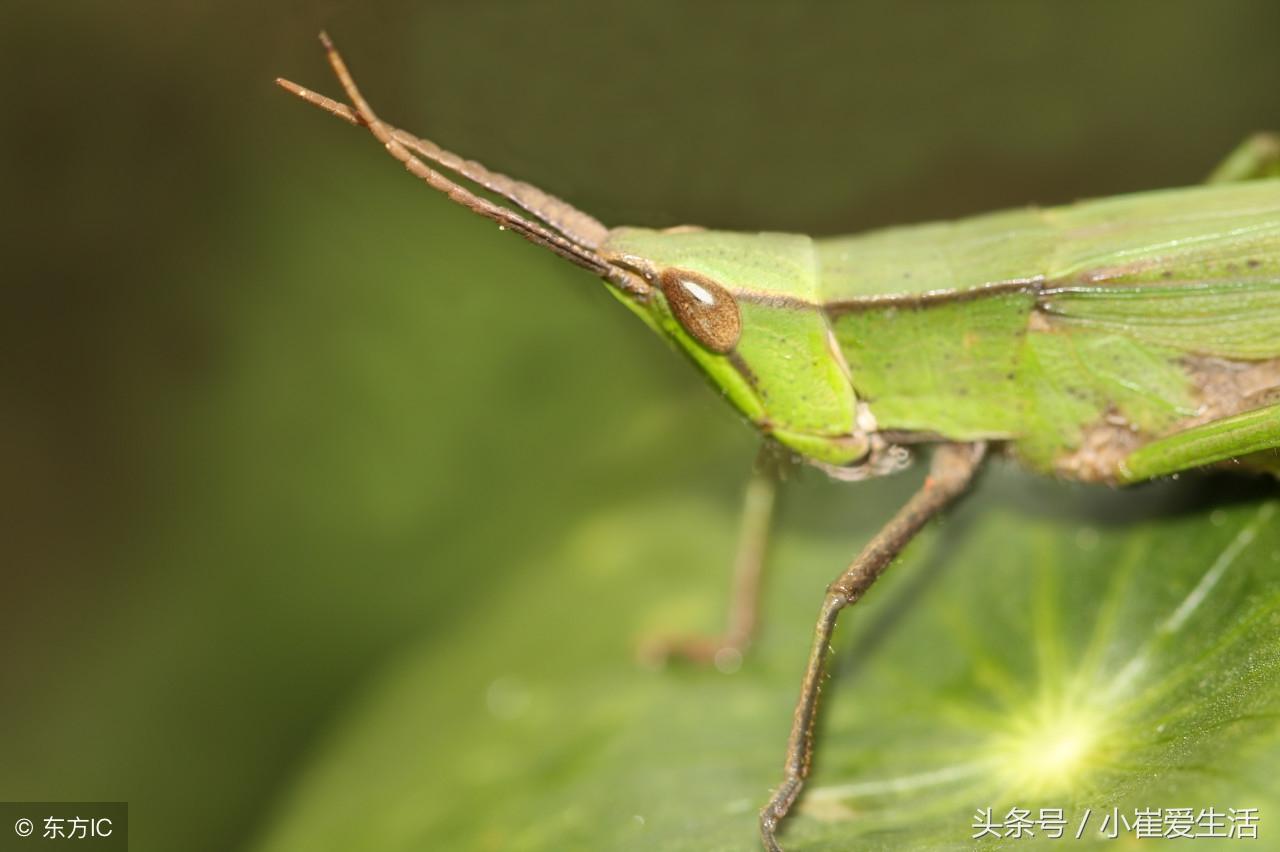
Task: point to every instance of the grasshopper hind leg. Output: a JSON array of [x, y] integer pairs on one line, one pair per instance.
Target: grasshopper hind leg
[[1256, 157], [1252, 438], [725, 651]]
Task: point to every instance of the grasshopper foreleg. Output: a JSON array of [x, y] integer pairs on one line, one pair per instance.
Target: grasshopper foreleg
[[950, 474], [726, 650]]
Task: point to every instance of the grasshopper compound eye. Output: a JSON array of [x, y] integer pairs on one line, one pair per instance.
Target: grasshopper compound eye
[[703, 308]]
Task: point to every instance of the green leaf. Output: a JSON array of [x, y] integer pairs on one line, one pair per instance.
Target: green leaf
[[1047, 646]]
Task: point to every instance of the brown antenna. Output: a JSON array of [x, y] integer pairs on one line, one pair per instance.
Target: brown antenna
[[576, 234]]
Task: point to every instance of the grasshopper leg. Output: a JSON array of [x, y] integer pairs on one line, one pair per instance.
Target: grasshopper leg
[[726, 650], [1256, 157], [953, 468], [1245, 436]]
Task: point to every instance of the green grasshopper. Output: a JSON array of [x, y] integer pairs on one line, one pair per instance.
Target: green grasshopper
[[1108, 341]]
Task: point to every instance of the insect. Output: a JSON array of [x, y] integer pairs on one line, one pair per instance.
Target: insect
[[1108, 341]]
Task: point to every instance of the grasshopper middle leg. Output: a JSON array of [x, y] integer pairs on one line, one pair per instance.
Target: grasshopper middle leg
[[953, 468]]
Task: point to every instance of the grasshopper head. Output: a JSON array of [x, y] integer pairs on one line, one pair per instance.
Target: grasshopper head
[[744, 308]]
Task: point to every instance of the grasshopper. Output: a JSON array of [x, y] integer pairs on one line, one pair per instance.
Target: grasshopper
[[1107, 341]]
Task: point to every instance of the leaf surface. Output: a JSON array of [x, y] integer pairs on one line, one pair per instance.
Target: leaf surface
[[1047, 646]]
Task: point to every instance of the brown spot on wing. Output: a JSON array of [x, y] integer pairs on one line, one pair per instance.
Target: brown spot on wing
[[1103, 445], [1226, 386]]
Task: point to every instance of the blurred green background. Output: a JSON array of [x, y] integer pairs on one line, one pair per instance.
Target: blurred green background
[[276, 419]]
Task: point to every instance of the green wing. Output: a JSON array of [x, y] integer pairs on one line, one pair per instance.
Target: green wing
[[1137, 318], [1194, 269], [1206, 233], [1231, 318]]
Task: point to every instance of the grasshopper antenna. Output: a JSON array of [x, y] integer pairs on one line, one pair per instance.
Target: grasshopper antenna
[[576, 233]]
